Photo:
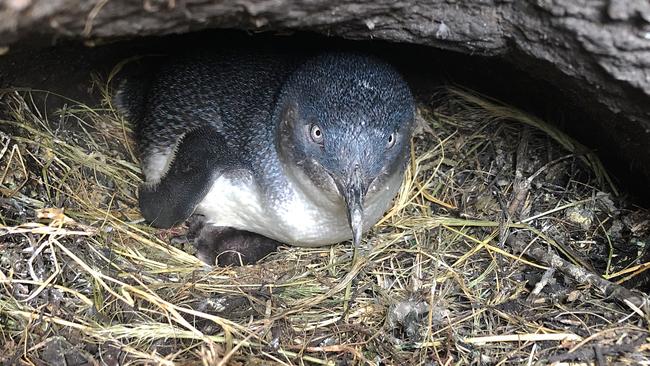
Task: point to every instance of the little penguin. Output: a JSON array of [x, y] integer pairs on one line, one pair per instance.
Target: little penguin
[[305, 150]]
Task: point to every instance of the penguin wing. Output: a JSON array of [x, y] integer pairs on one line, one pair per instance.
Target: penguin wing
[[201, 157]]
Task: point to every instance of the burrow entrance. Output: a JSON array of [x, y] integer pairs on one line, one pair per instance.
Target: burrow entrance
[[506, 182]]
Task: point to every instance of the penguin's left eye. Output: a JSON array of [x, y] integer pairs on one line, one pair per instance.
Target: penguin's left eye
[[316, 134], [391, 140]]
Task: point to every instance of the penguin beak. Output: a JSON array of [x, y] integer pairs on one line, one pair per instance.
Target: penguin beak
[[353, 192]]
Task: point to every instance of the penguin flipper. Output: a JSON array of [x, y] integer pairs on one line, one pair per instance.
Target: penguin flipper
[[202, 155]]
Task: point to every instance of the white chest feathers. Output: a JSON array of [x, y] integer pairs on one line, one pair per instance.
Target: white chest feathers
[[298, 218]]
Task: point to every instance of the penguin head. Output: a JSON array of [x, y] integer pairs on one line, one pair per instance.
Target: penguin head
[[345, 123]]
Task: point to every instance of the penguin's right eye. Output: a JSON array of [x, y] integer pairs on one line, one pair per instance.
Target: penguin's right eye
[[316, 134]]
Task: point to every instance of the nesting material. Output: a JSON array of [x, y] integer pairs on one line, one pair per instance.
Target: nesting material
[[505, 245]]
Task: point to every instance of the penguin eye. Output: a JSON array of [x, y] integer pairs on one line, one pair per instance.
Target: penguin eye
[[316, 134], [391, 140]]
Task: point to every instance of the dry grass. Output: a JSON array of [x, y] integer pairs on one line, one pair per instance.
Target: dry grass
[[84, 280]]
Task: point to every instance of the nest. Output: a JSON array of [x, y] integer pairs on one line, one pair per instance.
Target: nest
[[507, 243]]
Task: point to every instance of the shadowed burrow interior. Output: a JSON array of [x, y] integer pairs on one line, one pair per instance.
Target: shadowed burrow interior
[[519, 231], [530, 85]]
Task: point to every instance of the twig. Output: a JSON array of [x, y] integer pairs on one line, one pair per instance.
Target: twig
[[579, 274], [523, 338]]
